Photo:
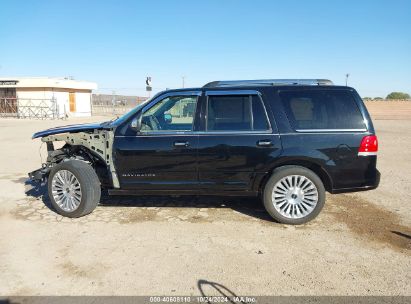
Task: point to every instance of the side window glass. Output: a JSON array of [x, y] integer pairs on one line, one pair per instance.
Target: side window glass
[[317, 109], [236, 113], [174, 113]]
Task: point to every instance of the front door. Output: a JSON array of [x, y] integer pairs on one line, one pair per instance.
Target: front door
[[238, 142], [72, 99], [163, 156]]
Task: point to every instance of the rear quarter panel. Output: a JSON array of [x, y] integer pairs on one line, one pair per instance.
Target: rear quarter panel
[[335, 152]]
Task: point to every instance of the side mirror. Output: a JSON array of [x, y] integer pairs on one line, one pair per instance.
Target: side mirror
[[168, 118], [136, 122]]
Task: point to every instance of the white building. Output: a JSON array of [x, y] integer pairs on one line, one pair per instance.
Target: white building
[[45, 97]]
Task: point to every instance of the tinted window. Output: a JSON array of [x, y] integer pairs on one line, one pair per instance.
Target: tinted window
[[322, 109], [236, 113]]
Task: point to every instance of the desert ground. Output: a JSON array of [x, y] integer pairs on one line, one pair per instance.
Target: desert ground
[[359, 245]]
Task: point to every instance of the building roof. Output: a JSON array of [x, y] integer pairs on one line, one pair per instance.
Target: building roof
[[46, 82]]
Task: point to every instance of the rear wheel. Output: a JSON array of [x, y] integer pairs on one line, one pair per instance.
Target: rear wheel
[[294, 195], [74, 188]]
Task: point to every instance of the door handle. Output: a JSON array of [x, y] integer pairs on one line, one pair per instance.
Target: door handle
[[264, 143], [181, 144]]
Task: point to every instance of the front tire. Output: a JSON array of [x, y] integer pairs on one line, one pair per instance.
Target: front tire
[[294, 195], [74, 188]]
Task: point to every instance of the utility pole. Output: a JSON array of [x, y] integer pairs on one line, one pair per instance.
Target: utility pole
[[346, 79], [183, 78], [113, 100]]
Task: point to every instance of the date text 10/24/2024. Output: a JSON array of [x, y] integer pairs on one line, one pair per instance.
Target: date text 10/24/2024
[[202, 299]]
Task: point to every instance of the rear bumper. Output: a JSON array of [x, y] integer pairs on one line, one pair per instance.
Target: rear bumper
[[370, 185]]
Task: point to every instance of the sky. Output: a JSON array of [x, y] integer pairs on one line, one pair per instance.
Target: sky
[[117, 44]]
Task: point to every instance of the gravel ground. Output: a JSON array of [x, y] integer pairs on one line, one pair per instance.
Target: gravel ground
[[359, 245]]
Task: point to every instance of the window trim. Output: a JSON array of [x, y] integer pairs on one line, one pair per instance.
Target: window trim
[[161, 97], [250, 93], [329, 130], [232, 92]]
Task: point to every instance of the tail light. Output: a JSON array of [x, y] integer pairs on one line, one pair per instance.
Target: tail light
[[368, 146]]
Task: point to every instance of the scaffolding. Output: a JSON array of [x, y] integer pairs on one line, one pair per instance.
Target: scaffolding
[[29, 108]]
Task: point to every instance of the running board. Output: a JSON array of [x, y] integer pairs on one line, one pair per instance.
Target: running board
[[181, 192]]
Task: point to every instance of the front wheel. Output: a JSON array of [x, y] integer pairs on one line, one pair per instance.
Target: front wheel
[[74, 188], [294, 195]]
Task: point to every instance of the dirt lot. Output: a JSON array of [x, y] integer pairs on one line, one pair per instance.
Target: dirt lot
[[359, 245]]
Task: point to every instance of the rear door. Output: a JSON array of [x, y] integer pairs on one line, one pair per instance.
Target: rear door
[[237, 142]]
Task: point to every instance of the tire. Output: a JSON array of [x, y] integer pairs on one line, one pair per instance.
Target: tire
[[74, 188], [289, 195]]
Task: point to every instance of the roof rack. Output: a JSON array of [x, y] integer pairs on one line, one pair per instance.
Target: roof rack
[[267, 82]]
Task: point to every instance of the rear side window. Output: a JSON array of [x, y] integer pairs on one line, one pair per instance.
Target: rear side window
[[322, 109], [236, 113]]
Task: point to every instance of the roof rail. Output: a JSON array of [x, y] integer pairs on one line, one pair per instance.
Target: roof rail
[[267, 82]]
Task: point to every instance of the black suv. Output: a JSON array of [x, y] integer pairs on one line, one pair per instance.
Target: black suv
[[287, 141]]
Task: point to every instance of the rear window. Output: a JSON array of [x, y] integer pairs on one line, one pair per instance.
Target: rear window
[[322, 109]]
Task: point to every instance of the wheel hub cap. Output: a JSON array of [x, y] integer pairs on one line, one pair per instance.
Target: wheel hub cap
[[66, 190], [295, 196]]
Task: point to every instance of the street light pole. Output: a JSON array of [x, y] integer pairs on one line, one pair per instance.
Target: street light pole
[[183, 78], [346, 79]]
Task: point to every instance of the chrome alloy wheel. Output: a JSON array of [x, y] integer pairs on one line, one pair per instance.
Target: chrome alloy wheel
[[66, 190], [295, 196]]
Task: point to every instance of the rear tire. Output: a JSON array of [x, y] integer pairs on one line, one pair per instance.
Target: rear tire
[[294, 195], [74, 188]]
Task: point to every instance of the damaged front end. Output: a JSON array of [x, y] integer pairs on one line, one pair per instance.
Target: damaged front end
[[40, 175], [91, 145]]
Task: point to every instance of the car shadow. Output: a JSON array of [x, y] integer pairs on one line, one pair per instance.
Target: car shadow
[[38, 191], [250, 206]]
